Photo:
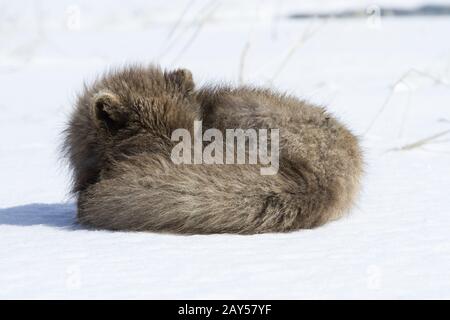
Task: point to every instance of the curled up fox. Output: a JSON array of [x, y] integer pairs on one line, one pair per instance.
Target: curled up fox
[[151, 152]]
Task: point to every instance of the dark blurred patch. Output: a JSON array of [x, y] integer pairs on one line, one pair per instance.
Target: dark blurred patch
[[422, 11]]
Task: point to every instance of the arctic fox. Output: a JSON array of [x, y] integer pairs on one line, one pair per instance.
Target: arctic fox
[[118, 143]]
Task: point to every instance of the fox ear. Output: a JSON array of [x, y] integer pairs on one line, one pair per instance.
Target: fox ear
[[109, 112], [183, 79]]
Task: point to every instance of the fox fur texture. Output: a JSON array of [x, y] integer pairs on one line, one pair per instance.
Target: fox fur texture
[[118, 144]]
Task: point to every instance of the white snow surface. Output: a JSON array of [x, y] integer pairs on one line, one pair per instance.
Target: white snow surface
[[388, 79]]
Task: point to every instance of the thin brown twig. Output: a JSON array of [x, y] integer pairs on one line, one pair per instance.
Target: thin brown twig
[[392, 91], [180, 18], [421, 142], [242, 61], [196, 32], [308, 34], [176, 38]]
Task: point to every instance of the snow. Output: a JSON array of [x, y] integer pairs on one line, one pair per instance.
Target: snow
[[389, 81]]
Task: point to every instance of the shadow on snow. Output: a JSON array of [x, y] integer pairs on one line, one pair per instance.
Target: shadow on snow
[[60, 215]]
